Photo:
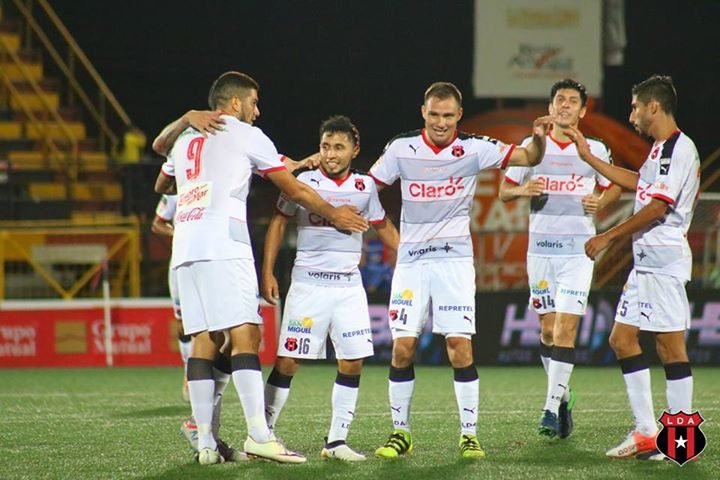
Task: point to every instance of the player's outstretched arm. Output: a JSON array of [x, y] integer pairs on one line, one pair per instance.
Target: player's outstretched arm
[[165, 184], [532, 188], [203, 121], [653, 211], [533, 153], [273, 239], [344, 218], [618, 175], [311, 161], [387, 233]]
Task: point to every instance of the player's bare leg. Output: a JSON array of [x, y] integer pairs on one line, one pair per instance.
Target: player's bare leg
[[401, 384]]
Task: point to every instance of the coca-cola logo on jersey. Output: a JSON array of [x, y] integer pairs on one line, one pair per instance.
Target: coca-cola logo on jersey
[[575, 182], [189, 215], [450, 189], [318, 221]]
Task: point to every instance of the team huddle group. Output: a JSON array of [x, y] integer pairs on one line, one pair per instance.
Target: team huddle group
[[212, 155]]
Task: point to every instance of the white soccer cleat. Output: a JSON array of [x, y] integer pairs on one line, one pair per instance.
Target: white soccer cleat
[[635, 443], [342, 452], [272, 450], [208, 456]]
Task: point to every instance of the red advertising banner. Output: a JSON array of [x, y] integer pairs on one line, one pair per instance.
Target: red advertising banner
[[72, 333]]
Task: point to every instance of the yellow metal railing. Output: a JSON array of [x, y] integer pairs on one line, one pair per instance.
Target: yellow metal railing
[[67, 160], [108, 138], [45, 251]]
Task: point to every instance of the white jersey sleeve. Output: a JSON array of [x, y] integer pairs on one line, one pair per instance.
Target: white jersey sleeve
[[670, 182], [386, 169], [375, 212], [601, 151], [286, 206], [264, 157], [492, 153], [517, 175], [166, 207]]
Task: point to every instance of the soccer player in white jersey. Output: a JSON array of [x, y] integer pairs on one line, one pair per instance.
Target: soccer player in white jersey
[[564, 193], [654, 298], [326, 296], [162, 224], [214, 259], [435, 274]]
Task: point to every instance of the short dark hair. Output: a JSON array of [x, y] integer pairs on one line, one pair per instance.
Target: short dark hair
[[569, 83], [228, 85], [340, 123], [659, 88], [443, 90]]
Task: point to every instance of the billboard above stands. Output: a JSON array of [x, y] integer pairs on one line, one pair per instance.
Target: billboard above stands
[[523, 46], [56, 333]]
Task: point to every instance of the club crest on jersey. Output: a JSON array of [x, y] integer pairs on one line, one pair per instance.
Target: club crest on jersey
[[458, 151], [291, 344], [360, 184], [681, 439], [654, 153]]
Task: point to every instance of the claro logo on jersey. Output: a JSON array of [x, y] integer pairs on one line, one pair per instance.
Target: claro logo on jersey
[[564, 185], [449, 189]]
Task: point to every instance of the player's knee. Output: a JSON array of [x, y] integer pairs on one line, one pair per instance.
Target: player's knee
[[403, 352], [350, 367], [547, 336], [459, 351], [622, 344], [287, 366]]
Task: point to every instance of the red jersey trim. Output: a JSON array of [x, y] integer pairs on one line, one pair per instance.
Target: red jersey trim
[[271, 169], [379, 182], [166, 174], [338, 181], [562, 145], [434, 147], [604, 188], [375, 222], [505, 161], [511, 181], [662, 197]]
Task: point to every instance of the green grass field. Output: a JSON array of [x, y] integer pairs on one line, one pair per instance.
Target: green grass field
[[124, 423]]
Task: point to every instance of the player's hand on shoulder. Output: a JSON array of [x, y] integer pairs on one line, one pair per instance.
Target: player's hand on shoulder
[[579, 140], [270, 290], [347, 218], [205, 121], [591, 203]]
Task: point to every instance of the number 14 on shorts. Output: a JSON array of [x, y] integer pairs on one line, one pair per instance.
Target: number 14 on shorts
[[396, 316]]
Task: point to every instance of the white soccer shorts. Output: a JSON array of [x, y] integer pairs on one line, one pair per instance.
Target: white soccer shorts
[[448, 288], [312, 312], [559, 283], [174, 295], [654, 302], [218, 294]]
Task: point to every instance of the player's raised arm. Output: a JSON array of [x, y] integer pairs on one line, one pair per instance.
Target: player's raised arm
[[201, 120], [619, 176], [532, 154], [344, 217], [273, 239]]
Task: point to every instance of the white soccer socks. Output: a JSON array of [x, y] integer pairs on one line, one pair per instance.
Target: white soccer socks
[[637, 383]]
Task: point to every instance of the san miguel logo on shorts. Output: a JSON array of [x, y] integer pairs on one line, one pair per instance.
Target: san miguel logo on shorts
[[291, 344], [359, 184], [458, 151], [681, 439]]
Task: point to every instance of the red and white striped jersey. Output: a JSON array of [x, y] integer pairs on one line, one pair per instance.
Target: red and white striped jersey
[[320, 246], [437, 187], [670, 173], [213, 179], [559, 225]]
